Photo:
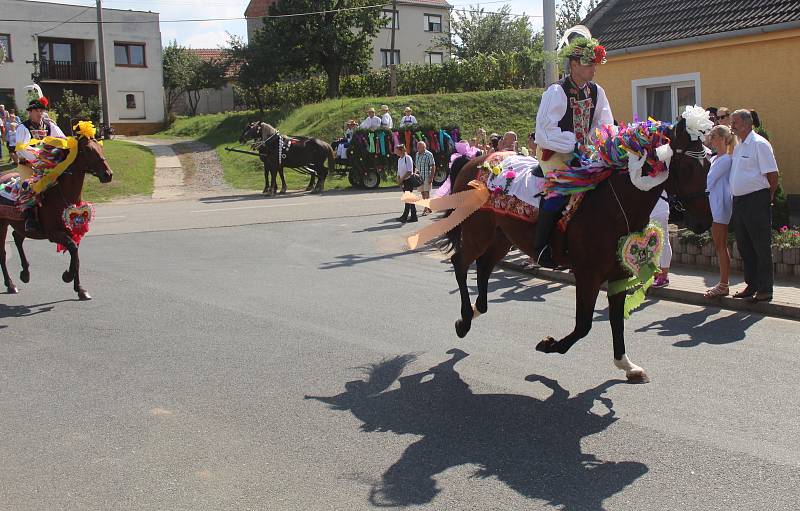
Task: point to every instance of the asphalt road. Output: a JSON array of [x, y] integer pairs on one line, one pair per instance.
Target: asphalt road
[[288, 354]]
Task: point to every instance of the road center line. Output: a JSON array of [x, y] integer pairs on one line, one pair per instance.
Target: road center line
[[109, 217], [249, 207]]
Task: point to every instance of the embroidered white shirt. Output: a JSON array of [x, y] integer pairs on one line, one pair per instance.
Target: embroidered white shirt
[[371, 123], [552, 108]]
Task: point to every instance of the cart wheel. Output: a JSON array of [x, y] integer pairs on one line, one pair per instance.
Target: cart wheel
[[440, 176], [354, 178], [371, 179]]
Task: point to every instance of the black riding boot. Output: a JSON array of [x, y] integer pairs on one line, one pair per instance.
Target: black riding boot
[[31, 224], [544, 228]]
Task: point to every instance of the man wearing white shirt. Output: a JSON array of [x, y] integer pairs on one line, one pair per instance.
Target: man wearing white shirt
[[754, 180], [386, 117], [568, 114], [372, 122]]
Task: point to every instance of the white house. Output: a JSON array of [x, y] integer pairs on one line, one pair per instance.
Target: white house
[[419, 24], [68, 56]]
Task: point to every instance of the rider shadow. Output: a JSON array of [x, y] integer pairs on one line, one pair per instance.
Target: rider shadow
[[22, 311], [388, 224], [724, 330], [348, 260], [532, 445], [255, 196]]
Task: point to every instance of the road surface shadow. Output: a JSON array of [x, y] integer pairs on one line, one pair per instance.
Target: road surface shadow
[[532, 445], [389, 223], [347, 260], [723, 330], [22, 311]]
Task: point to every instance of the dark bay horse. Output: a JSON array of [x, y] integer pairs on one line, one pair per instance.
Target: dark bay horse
[[279, 152], [66, 192], [609, 212]]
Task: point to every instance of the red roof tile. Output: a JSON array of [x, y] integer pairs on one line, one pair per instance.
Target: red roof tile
[[208, 54]]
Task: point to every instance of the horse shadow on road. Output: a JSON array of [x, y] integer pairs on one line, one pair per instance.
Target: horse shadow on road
[[531, 445], [698, 328], [22, 311]]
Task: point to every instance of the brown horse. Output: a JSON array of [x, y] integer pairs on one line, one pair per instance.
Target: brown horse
[[589, 246], [66, 192], [305, 154]]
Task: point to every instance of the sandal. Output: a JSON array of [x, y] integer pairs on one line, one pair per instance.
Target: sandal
[[718, 291]]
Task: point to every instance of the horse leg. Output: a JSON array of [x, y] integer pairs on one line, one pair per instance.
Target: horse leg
[[7, 281], [587, 285], [73, 272], [313, 179], [486, 264], [266, 178], [283, 180], [481, 233], [25, 274], [461, 266], [616, 311]]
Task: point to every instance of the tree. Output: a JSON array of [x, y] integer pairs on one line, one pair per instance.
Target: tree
[[72, 107], [253, 70], [180, 65], [475, 31], [571, 13], [206, 74], [338, 39]]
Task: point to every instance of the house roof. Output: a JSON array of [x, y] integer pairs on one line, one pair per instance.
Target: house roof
[[258, 8], [209, 54], [620, 24]]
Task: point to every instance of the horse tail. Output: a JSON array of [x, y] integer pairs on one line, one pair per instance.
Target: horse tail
[[449, 241], [331, 155]]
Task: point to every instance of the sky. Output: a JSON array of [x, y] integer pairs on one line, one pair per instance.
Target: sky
[[214, 34]]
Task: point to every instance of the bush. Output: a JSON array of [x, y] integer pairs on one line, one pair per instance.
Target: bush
[[787, 237]]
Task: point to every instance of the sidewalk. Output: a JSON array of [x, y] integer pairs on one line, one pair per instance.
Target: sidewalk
[[687, 285], [168, 173]]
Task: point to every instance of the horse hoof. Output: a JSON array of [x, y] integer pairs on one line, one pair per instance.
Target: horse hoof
[[462, 328], [66, 276], [83, 296], [25, 276], [12, 290], [547, 345], [283, 191], [638, 377]]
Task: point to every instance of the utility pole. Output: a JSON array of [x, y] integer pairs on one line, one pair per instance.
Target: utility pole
[[551, 59], [103, 82], [392, 69]]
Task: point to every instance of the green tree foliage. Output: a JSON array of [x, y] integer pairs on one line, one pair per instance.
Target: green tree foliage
[[179, 66], [476, 31], [208, 74], [253, 71], [72, 108], [330, 42], [571, 13]]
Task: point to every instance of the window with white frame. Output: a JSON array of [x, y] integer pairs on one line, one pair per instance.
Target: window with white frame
[[433, 22], [385, 57], [434, 57], [387, 13], [5, 42], [665, 97]]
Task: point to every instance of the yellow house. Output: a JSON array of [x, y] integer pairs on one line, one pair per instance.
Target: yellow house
[[665, 54]]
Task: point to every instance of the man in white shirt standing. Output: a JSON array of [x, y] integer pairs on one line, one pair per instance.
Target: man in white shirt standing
[[372, 122], [754, 180], [386, 118], [568, 114]]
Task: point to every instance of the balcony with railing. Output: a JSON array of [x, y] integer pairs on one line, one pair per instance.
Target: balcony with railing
[[66, 70]]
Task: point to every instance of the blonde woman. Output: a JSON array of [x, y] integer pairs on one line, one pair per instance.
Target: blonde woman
[[722, 141]]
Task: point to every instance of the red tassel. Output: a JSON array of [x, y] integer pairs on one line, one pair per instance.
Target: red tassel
[[44, 101]]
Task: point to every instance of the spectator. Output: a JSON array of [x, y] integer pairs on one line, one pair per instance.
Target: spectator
[[426, 167], [723, 116], [405, 173], [3, 119], [754, 180], [712, 114], [508, 142], [660, 215], [344, 142], [408, 118], [721, 139], [494, 142], [386, 118], [482, 141], [372, 122], [11, 141]]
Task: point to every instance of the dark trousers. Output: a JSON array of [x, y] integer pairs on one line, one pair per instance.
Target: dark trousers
[[752, 219], [410, 208]]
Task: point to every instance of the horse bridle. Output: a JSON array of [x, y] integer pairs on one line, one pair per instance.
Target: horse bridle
[[677, 200]]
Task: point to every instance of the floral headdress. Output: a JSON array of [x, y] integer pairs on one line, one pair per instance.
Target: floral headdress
[[586, 50]]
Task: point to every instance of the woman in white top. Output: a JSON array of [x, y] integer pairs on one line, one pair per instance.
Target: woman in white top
[[405, 169], [721, 139], [660, 215], [408, 119]]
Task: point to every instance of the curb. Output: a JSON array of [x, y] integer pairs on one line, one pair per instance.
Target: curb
[[773, 309]]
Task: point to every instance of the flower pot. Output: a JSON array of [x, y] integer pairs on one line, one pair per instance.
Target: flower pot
[[687, 259], [708, 250], [692, 249], [797, 270], [777, 255], [783, 269], [791, 255]]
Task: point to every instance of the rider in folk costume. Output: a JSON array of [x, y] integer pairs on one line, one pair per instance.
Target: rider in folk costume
[[37, 127], [570, 111]]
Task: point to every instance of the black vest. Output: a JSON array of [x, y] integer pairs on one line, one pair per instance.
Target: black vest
[[36, 132], [580, 109]]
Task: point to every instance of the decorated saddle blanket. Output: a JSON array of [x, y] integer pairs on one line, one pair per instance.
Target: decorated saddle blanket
[[513, 189], [52, 157]]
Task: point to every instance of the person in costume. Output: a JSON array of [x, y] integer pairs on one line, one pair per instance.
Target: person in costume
[[570, 111], [36, 127], [344, 142]]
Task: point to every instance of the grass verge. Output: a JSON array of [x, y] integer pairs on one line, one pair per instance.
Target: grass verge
[[133, 167]]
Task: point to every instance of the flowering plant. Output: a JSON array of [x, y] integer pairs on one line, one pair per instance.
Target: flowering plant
[[787, 237]]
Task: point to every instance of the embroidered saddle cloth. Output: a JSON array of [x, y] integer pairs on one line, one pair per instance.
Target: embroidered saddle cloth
[[514, 190]]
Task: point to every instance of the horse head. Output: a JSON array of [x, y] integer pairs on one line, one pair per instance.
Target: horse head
[[686, 185], [251, 131], [92, 159]]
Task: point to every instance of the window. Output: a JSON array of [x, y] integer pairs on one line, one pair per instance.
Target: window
[[131, 104], [56, 51], [387, 13], [130, 101], [5, 42], [433, 23], [129, 54], [664, 98], [434, 57], [385, 57]]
